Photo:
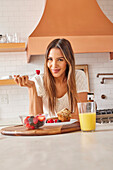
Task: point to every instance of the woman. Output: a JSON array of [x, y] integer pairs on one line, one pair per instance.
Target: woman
[[60, 86]]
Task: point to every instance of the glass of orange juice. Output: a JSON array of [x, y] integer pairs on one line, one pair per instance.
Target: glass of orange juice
[[87, 116]]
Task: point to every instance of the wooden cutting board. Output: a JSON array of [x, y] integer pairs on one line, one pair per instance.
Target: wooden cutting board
[[20, 130]]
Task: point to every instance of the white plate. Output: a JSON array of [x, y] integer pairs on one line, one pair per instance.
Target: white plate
[[61, 123]]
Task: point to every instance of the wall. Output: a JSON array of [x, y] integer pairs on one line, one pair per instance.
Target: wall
[[22, 17]]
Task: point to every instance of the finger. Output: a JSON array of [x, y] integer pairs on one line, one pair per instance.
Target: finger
[[26, 80], [16, 78], [23, 80], [19, 81]]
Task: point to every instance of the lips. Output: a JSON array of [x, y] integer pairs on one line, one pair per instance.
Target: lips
[[55, 70]]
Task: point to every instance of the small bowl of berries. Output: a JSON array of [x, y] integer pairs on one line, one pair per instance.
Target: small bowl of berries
[[33, 122]]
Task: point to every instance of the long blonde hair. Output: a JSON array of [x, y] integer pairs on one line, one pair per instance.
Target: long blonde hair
[[49, 81]]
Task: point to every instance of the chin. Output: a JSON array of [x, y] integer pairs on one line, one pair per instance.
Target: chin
[[56, 75]]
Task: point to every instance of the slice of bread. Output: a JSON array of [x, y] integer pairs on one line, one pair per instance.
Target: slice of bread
[[64, 115]]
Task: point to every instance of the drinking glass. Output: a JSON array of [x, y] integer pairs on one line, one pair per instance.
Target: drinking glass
[[12, 38], [87, 116]]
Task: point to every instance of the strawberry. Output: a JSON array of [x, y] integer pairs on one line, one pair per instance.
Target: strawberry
[[26, 119], [41, 118], [35, 120], [32, 127], [38, 72], [27, 125]]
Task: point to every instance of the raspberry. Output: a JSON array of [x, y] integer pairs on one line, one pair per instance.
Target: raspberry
[[38, 72], [56, 120], [51, 121], [48, 121]]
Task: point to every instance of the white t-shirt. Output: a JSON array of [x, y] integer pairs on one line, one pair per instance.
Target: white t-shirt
[[81, 86]]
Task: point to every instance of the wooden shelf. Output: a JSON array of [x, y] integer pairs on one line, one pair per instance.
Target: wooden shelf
[[7, 82], [12, 47]]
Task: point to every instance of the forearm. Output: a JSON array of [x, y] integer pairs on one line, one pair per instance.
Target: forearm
[[82, 97], [35, 105], [35, 102]]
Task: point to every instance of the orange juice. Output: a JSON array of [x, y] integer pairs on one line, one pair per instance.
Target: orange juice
[[87, 121]]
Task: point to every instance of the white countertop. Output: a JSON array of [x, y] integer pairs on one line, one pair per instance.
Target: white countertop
[[70, 151]]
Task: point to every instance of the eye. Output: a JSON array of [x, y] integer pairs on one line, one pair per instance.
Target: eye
[[49, 59], [60, 59]]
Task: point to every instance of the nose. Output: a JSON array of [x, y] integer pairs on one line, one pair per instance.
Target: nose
[[54, 64]]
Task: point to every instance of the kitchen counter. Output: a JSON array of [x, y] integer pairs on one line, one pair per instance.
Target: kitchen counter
[[70, 151]]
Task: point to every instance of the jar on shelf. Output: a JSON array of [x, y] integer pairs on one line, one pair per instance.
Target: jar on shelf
[[3, 39]]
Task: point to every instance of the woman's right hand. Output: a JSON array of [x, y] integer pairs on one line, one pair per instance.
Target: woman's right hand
[[23, 81]]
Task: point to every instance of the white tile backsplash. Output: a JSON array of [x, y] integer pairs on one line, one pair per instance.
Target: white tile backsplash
[[22, 17], [101, 63]]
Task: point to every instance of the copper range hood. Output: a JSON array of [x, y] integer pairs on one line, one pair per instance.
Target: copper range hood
[[82, 22]]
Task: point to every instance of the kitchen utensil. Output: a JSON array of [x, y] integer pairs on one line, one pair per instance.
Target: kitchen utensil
[[20, 130]]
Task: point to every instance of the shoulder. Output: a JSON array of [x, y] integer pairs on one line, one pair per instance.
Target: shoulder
[[80, 76], [81, 81], [79, 73]]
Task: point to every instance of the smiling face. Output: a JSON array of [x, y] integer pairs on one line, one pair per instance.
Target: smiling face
[[56, 63]]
